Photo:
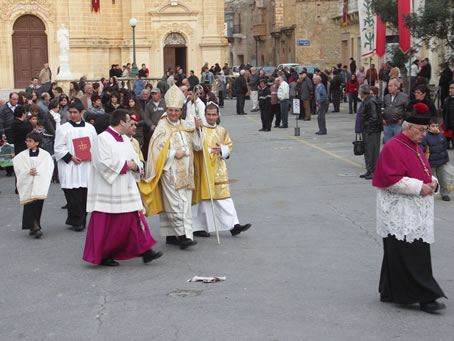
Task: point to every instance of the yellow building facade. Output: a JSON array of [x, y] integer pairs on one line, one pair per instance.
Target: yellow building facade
[[168, 33]]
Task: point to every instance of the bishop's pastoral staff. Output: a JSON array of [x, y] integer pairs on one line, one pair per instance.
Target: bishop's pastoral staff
[[218, 146], [169, 177], [73, 141], [405, 217], [117, 229]]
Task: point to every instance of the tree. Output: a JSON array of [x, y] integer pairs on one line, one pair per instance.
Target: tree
[[434, 20]]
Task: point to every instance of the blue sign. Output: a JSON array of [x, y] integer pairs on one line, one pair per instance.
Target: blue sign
[[304, 42]]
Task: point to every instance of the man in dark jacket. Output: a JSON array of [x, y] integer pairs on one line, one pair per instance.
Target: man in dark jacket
[[371, 130], [395, 103], [7, 117], [19, 129], [306, 92], [445, 80], [240, 88], [426, 70], [335, 90], [265, 105], [448, 112]]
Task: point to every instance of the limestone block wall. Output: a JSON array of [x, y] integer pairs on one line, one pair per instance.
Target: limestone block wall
[[314, 23], [99, 40]]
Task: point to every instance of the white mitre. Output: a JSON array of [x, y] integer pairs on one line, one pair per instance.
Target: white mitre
[[174, 98]]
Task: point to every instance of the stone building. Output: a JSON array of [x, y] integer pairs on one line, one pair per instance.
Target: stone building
[[283, 31], [168, 33]]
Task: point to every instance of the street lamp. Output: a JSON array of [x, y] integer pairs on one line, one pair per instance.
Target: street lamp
[[134, 69]]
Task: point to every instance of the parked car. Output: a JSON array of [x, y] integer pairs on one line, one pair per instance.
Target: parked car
[[309, 68], [268, 69], [281, 67]]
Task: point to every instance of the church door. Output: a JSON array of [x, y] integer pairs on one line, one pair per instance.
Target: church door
[[29, 49], [175, 52]]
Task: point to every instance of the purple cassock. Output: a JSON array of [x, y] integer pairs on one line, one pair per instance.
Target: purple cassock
[[119, 236]]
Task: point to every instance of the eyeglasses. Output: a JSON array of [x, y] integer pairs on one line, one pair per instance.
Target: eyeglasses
[[422, 130]]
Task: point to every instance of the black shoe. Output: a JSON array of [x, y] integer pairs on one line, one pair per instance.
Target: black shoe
[[445, 198], [109, 262], [186, 242], [255, 110], [262, 129], [150, 255], [78, 228], [267, 130], [432, 307], [201, 234], [36, 233], [276, 126], [242, 113], [64, 207], [320, 133], [237, 229], [369, 176], [172, 240], [364, 175], [284, 127]]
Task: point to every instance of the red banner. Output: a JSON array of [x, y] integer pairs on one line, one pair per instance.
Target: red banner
[[345, 13], [381, 37], [95, 6], [404, 9]]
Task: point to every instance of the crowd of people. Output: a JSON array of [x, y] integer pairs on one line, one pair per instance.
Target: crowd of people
[[121, 154]]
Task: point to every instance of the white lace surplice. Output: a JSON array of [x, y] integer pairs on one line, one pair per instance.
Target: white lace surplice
[[404, 213]]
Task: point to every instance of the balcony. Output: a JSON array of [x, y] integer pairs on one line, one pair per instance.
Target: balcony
[[259, 30]]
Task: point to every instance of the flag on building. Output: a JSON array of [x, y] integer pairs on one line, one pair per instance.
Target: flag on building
[[404, 9], [381, 37], [367, 25], [95, 6], [345, 13]]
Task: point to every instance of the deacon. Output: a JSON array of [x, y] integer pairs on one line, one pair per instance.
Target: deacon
[[73, 141], [170, 172], [217, 146], [405, 217], [115, 231]]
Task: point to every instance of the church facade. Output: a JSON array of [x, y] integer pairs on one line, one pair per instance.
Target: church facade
[[168, 33]]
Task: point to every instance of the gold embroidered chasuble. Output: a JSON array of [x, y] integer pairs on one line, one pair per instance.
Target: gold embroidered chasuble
[[166, 134], [217, 168]]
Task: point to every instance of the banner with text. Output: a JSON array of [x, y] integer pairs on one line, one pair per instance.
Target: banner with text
[[367, 24]]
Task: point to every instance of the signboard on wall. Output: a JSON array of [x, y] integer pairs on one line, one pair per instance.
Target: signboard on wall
[[304, 42]]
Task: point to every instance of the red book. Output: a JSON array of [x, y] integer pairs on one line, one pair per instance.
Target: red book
[[82, 147]]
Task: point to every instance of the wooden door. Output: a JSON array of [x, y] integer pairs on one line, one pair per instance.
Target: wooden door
[[29, 49], [180, 58], [169, 58]]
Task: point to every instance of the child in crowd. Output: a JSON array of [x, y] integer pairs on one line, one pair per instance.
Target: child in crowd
[[33, 168], [47, 142], [33, 120], [434, 143]]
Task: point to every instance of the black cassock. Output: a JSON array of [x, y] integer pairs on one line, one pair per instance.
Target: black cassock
[[406, 273]]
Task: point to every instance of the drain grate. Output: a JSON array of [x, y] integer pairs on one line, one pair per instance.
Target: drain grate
[[184, 293]]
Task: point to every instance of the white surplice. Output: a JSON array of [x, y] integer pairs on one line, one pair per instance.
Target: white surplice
[[70, 174], [30, 187], [108, 190]]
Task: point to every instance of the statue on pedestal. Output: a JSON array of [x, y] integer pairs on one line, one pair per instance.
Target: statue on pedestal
[[63, 58]]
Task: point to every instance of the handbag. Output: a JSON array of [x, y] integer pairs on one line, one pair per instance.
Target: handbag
[[358, 145]]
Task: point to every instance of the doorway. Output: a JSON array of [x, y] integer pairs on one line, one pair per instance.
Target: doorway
[[175, 52], [29, 49]]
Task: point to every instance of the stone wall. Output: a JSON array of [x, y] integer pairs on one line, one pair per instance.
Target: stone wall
[[315, 23], [99, 40]]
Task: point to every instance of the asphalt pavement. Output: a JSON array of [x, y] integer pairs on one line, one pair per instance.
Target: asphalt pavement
[[308, 268]]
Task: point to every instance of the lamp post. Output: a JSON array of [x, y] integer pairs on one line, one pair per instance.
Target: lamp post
[[134, 69]]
